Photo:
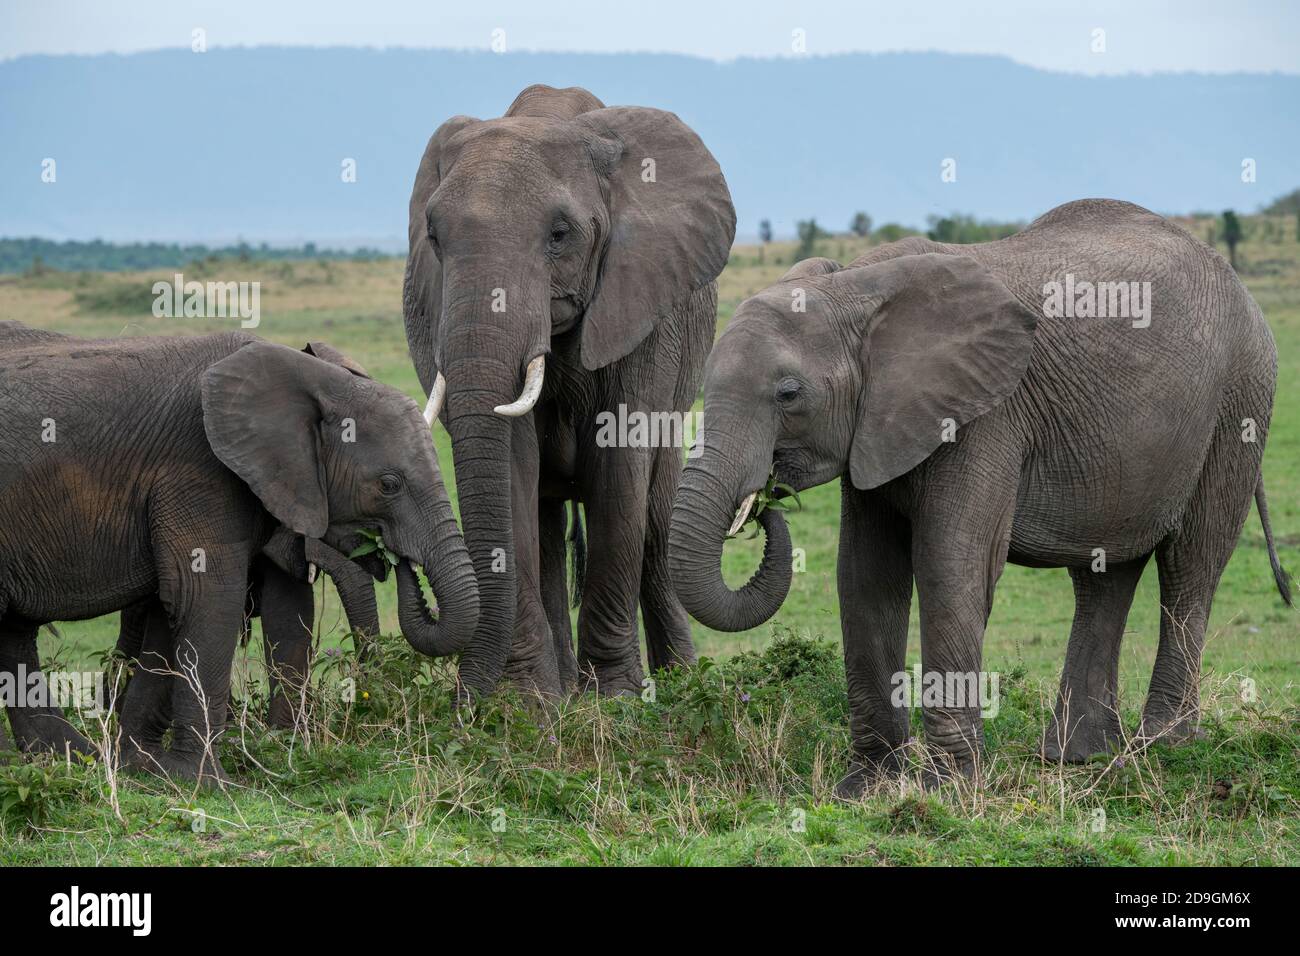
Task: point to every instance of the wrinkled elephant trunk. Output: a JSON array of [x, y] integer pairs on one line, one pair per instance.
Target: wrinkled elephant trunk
[[490, 360], [451, 576], [481, 450], [356, 590], [702, 513]]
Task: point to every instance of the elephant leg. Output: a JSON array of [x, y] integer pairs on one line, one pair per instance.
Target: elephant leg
[[667, 626], [555, 593], [288, 612], [609, 653], [959, 549], [1086, 721], [41, 727], [532, 664], [205, 613], [146, 707], [1190, 564], [875, 588]]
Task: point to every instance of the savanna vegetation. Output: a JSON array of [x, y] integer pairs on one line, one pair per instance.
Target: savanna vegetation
[[731, 761]]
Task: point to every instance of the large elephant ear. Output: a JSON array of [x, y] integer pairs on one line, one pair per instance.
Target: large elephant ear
[[332, 355], [816, 266], [422, 285], [944, 340], [671, 225], [263, 406]]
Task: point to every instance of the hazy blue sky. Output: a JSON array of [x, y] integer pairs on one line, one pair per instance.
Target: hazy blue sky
[[1140, 35]]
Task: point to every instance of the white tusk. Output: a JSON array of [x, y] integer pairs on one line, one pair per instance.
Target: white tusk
[[436, 396], [532, 388], [742, 513], [311, 573]]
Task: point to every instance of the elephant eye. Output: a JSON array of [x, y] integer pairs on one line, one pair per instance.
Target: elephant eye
[[390, 484], [559, 230], [787, 390]]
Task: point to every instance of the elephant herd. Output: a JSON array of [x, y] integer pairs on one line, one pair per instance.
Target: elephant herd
[[562, 266]]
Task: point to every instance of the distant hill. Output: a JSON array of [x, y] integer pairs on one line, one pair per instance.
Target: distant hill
[[247, 144]]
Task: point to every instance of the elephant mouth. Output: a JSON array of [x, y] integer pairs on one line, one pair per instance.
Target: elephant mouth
[[372, 563], [566, 310], [779, 485]]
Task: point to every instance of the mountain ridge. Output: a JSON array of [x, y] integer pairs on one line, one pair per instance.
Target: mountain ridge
[[248, 142]]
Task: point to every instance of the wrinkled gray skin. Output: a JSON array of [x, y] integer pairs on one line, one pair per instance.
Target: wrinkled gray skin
[[165, 446], [545, 214], [1073, 434], [282, 596]]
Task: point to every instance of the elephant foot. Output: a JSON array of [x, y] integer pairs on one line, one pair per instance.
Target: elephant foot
[[1168, 727], [616, 680], [42, 730], [1086, 738], [533, 682], [283, 713], [202, 768], [943, 766], [855, 783], [866, 771]]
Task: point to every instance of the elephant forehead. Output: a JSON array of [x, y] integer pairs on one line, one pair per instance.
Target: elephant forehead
[[785, 306], [518, 142]]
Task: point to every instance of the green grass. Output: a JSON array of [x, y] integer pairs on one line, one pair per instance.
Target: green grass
[[699, 775]]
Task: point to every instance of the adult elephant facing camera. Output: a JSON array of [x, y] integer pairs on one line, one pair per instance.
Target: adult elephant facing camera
[[562, 264], [970, 425]]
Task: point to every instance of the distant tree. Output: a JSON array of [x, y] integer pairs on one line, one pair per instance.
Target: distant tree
[[1284, 205], [890, 232], [963, 228], [1231, 234], [809, 232], [764, 237], [861, 225]]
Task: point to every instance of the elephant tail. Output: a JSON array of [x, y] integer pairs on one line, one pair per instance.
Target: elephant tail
[[577, 555], [1279, 573]]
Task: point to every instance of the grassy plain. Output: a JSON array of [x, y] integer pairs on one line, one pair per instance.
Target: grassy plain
[[734, 761]]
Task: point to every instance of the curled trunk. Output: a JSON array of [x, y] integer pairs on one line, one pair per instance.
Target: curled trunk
[[451, 576], [701, 517]]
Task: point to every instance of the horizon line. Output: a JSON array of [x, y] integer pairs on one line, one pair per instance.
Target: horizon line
[[717, 61]]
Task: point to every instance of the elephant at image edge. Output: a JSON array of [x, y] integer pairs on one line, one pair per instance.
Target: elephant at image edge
[[1073, 434], [170, 445], [281, 594], [562, 264]]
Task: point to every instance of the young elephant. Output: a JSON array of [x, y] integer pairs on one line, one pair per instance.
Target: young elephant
[[280, 586], [136, 467], [975, 426]]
